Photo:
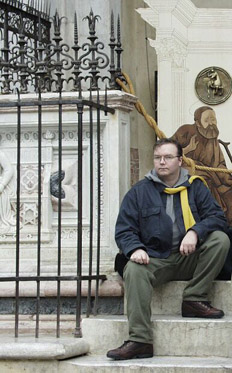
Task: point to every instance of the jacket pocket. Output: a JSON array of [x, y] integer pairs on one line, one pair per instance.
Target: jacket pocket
[[150, 223], [150, 211]]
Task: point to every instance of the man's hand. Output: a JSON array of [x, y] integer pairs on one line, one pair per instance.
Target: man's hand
[[140, 256], [189, 242]]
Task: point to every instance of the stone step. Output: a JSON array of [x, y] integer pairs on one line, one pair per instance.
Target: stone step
[[44, 348], [173, 335], [157, 364], [167, 298], [101, 364], [47, 325]]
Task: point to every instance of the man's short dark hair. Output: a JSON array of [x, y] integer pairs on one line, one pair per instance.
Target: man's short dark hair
[[169, 141]]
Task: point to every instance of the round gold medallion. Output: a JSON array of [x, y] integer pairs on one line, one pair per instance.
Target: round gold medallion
[[213, 85]]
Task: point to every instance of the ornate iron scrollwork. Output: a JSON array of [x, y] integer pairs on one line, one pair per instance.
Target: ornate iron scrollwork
[[29, 60]]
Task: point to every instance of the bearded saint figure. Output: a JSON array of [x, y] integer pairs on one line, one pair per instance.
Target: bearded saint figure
[[200, 143]]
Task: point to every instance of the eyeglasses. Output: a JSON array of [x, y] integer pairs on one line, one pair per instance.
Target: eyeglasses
[[166, 158]]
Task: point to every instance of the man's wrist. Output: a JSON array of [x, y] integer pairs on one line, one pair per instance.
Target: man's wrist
[[138, 248]]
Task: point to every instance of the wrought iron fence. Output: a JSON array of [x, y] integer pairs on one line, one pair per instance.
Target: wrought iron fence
[[94, 273], [30, 61]]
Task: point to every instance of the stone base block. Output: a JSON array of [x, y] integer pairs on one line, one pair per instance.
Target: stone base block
[[167, 298]]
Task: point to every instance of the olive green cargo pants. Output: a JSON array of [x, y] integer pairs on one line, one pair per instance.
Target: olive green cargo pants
[[200, 268]]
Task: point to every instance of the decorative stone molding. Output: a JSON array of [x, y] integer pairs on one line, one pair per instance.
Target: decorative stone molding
[[184, 12], [209, 47], [170, 49], [215, 19]]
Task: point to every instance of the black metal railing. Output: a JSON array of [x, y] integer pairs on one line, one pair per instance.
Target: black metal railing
[[30, 60], [24, 29], [93, 273]]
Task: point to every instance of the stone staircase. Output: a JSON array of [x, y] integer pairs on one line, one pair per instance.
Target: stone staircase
[[182, 345]]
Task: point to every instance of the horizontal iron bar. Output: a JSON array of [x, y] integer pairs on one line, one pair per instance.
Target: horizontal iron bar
[[52, 278], [57, 102]]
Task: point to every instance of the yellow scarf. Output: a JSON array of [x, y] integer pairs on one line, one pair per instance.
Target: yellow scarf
[[189, 220]]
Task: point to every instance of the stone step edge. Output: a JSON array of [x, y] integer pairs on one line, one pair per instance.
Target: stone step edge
[[160, 317], [107, 288], [100, 360], [112, 287], [47, 324], [46, 348], [107, 318]]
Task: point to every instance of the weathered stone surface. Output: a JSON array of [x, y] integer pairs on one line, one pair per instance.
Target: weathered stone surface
[[173, 335], [100, 364], [29, 348], [167, 298], [23, 366], [157, 364]]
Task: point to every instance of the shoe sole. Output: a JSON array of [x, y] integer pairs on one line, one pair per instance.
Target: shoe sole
[[144, 356], [203, 317]]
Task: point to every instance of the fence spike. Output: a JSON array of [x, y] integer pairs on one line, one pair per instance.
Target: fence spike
[[119, 30], [46, 7], [112, 25], [75, 29]]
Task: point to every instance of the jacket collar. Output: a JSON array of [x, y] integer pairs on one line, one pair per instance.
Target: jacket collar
[[182, 181]]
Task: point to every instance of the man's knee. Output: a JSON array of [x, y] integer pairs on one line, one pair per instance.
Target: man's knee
[[134, 271], [219, 240]]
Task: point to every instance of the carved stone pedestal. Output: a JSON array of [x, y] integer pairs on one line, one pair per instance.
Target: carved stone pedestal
[[115, 181]]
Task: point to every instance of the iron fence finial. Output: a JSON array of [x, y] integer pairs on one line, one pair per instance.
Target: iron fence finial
[[56, 22], [92, 21]]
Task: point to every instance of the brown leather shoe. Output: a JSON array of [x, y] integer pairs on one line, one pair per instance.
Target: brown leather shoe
[[200, 309], [131, 350]]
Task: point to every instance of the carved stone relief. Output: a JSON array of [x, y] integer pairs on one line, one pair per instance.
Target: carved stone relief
[[69, 186], [170, 49], [7, 221], [29, 178]]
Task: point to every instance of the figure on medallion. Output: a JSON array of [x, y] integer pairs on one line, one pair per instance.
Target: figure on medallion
[[200, 143], [214, 83]]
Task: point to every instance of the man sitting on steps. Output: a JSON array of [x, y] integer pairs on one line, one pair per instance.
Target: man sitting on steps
[[169, 228]]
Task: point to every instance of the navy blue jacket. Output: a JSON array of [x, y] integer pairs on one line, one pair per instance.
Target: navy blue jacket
[[143, 223]]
